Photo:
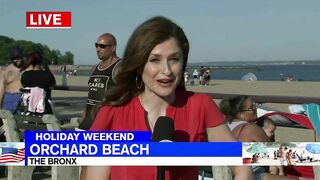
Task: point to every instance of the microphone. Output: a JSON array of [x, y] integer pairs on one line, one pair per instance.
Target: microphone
[[163, 129], [163, 132]]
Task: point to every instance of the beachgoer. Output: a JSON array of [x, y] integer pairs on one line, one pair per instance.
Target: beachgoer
[[39, 77], [255, 158], [241, 113], [186, 76], [282, 155], [195, 74], [10, 84], [268, 126], [202, 71], [63, 70], [206, 77], [289, 157], [102, 76], [301, 157], [151, 85]]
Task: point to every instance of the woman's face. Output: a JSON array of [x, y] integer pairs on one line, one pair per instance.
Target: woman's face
[[163, 70], [249, 111]]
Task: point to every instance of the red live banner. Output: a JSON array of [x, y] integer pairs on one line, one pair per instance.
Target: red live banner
[[48, 20]]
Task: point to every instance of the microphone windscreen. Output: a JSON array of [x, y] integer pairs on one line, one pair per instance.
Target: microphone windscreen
[[163, 129]]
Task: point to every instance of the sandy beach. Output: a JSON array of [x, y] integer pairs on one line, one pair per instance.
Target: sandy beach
[[76, 101], [281, 88]]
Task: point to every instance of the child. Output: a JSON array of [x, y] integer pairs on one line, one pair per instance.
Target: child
[[269, 128]]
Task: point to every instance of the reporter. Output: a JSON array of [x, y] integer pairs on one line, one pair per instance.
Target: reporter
[[149, 85]]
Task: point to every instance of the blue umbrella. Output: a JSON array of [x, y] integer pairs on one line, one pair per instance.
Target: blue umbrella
[[313, 148]]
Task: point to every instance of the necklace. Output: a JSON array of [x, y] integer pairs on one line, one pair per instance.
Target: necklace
[[151, 123], [110, 64]]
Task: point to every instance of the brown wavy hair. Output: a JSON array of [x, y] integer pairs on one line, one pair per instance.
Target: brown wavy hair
[[233, 106], [35, 58], [145, 37]]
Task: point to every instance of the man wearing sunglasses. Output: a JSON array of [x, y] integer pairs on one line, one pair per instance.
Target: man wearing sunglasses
[[10, 84], [102, 77]]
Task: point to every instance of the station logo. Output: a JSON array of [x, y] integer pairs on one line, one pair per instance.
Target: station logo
[[48, 20]]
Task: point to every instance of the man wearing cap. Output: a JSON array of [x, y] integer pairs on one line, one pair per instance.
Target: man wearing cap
[[10, 81]]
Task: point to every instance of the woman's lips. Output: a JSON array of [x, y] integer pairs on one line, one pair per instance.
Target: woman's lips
[[165, 82]]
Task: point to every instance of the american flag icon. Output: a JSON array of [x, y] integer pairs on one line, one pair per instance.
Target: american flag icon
[[11, 155]]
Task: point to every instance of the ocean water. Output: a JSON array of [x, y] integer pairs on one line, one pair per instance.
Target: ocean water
[[264, 72], [268, 72]]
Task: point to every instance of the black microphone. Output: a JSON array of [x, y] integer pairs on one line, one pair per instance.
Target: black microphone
[[163, 132]]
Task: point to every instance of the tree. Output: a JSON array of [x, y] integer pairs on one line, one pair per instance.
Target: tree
[[50, 56]]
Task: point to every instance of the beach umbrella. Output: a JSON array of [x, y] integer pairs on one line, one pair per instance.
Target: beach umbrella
[[249, 77], [279, 143], [313, 148], [257, 148]]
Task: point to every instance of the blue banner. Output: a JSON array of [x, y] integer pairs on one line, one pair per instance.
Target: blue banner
[[153, 149], [124, 144], [87, 136]]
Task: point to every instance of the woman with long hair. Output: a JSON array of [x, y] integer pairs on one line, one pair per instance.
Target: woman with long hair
[[150, 84], [37, 76], [241, 113]]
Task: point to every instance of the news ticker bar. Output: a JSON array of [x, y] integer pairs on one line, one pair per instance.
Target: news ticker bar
[[77, 148]]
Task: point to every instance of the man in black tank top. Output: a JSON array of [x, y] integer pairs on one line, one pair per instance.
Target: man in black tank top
[[102, 77]]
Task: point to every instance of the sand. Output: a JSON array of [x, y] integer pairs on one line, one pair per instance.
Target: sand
[[263, 88]]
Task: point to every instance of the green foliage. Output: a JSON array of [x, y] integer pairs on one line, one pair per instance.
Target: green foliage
[[50, 56]]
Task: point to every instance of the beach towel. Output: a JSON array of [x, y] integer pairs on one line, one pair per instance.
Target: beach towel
[[303, 120], [35, 100], [296, 109], [313, 112]]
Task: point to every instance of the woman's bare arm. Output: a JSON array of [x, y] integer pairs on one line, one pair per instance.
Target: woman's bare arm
[[222, 133], [95, 172]]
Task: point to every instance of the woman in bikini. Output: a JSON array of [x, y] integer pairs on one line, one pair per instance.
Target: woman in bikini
[[241, 113]]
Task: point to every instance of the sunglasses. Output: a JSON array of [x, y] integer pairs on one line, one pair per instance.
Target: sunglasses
[[253, 107], [102, 46]]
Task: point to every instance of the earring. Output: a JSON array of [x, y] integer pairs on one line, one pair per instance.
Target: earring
[[137, 83]]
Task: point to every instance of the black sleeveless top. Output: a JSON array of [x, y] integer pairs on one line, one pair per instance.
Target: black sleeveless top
[[99, 82]]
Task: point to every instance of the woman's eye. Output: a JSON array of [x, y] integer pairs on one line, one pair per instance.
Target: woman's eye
[[154, 60], [175, 59]]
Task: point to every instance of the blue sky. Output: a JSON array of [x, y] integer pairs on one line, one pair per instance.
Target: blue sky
[[218, 30]]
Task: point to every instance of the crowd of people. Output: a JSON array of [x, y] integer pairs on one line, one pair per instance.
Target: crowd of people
[[26, 85], [203, 76], [147, 83]]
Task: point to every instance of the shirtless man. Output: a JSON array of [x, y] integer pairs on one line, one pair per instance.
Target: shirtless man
[[10, 81]]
